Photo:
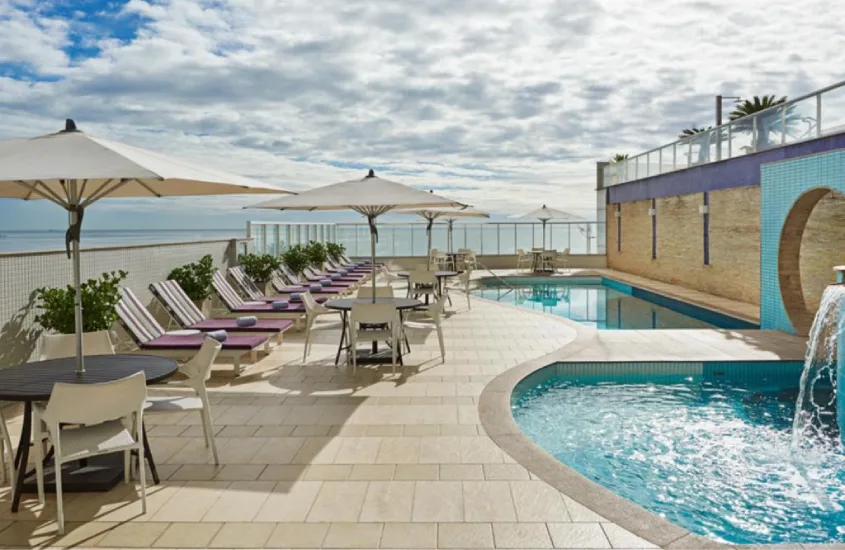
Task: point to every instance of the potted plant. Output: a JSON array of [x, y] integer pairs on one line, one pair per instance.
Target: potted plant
[[335, 250], [195, 279], [296, 259], [260, 268], [99, 301], [317, 255]]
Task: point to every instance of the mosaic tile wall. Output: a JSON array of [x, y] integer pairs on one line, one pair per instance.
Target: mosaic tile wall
[[782, 183], [22, 273]]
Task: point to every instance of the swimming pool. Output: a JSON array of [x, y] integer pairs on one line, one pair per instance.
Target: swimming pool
[[604, 304], [705, 445]]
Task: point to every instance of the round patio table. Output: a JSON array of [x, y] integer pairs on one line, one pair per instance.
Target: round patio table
[[34, 382], [344, 306]]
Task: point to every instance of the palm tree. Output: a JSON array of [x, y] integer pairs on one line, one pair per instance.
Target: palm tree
[[619, 158], [775, 121], [687, 132]]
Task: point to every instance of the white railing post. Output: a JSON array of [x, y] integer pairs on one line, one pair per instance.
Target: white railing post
[[783, 125], [276, 236], [480, 240], [819, 115], [754, 134], [674, 156], [730, 140], [689, 153]]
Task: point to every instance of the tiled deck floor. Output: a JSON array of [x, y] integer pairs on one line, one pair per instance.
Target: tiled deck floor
[[314, 457]]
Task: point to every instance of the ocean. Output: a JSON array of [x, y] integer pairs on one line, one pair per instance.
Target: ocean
[[31, 241]]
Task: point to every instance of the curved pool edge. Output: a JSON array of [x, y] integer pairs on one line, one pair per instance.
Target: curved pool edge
[[494, 411]]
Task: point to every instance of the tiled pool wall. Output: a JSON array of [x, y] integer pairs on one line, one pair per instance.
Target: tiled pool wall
[[784, 372], [701, 313], [782, 184]]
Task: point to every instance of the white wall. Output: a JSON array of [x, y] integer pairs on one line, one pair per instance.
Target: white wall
[[22, 273]]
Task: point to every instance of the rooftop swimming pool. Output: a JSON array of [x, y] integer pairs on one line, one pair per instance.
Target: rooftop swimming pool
[[708, 446], [604, 304]]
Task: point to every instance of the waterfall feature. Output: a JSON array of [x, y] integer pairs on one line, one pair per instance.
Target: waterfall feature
[[823, 362]]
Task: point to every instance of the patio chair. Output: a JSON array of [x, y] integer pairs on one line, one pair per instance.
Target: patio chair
[[465, 280], [548, 259], [470, 261], [197, 371], [523, 260], [435, 312], [422, 283], [188, 316], [7, 452], [151, 338], [107, 418], [562, 260], [58, 346], [373, 323], [381, 292], [312, 311], [313, 275]]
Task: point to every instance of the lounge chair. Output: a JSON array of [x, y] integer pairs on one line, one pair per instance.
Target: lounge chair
[[251, 291], [339, 286], [235, 306], [188, 315], [339, 278], [151, 338]]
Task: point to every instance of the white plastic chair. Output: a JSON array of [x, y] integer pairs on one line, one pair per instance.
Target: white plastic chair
[[57, 346], [470, 260], [198, 371], [384, 316], [435, 312], [7, 454], [366, 291], [548, 260], [523, 260], [562, 260], [109, 419], [312, 311], [422, 283], [465, 279]]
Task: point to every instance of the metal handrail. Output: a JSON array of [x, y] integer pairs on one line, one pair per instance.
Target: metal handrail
[[723, 134]]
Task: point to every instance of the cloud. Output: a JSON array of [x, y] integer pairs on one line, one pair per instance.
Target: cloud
[[506, 105]]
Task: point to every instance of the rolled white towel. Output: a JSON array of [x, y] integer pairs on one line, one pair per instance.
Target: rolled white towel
[[219, 335], [281, 304], [249, 321]]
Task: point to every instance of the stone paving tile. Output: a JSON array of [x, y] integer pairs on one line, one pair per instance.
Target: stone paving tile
[[313, 457]]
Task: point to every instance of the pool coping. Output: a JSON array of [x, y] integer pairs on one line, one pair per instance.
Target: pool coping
[[494, 411]]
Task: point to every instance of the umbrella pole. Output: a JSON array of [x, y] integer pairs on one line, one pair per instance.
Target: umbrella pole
[[73, 216], [450, 222], [430, 227], [544, 234], [373, 254]]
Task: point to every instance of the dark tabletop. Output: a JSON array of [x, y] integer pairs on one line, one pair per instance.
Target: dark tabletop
[[34, 381], [346, 304], [438, 274]]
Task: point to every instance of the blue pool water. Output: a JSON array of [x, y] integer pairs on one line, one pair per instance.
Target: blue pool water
[[604, 304], [708, 447]]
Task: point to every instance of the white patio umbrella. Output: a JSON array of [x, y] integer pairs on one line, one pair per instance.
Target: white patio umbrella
[[75, 170], [447, 214], [370, 196], [545, 214]]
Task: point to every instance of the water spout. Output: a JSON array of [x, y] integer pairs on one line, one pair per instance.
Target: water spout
[[824, 361]]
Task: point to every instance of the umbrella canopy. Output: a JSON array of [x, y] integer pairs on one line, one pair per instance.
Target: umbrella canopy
[[545, 214], [74, 170], [371, 196], [447, 214]]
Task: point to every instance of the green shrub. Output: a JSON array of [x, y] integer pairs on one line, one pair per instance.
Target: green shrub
[[99, 300], [317, 254], [195, 278], [296, 259], [335, 250], [259, 267]]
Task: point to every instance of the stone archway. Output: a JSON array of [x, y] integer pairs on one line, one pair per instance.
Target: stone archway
[[789, 260]]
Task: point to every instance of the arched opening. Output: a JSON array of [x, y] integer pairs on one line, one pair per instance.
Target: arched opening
[[812, 241]]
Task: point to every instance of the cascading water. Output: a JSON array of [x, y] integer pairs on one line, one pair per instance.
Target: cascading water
[[825, 354]]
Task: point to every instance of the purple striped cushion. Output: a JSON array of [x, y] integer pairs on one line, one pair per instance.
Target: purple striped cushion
[[263, 325], [244, 342]]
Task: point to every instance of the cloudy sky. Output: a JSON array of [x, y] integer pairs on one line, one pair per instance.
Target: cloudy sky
[[504, 104]]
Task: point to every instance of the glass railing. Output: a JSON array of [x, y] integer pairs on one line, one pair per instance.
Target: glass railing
[[815, 115], [410, 239]]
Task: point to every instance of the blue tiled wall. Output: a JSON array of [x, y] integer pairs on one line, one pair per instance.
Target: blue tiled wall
[[781, 184]]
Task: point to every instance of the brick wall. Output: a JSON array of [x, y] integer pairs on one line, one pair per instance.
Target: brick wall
[[822, 247], [734, 270]]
